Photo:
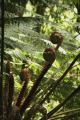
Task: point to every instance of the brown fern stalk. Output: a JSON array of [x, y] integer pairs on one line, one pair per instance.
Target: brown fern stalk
[[6, 88], [25, 76], [10, 93], [21, 95], [8, 67]]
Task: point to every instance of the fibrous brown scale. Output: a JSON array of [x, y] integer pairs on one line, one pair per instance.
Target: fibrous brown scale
[[49, 54], [24, 74], [56, 38]]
